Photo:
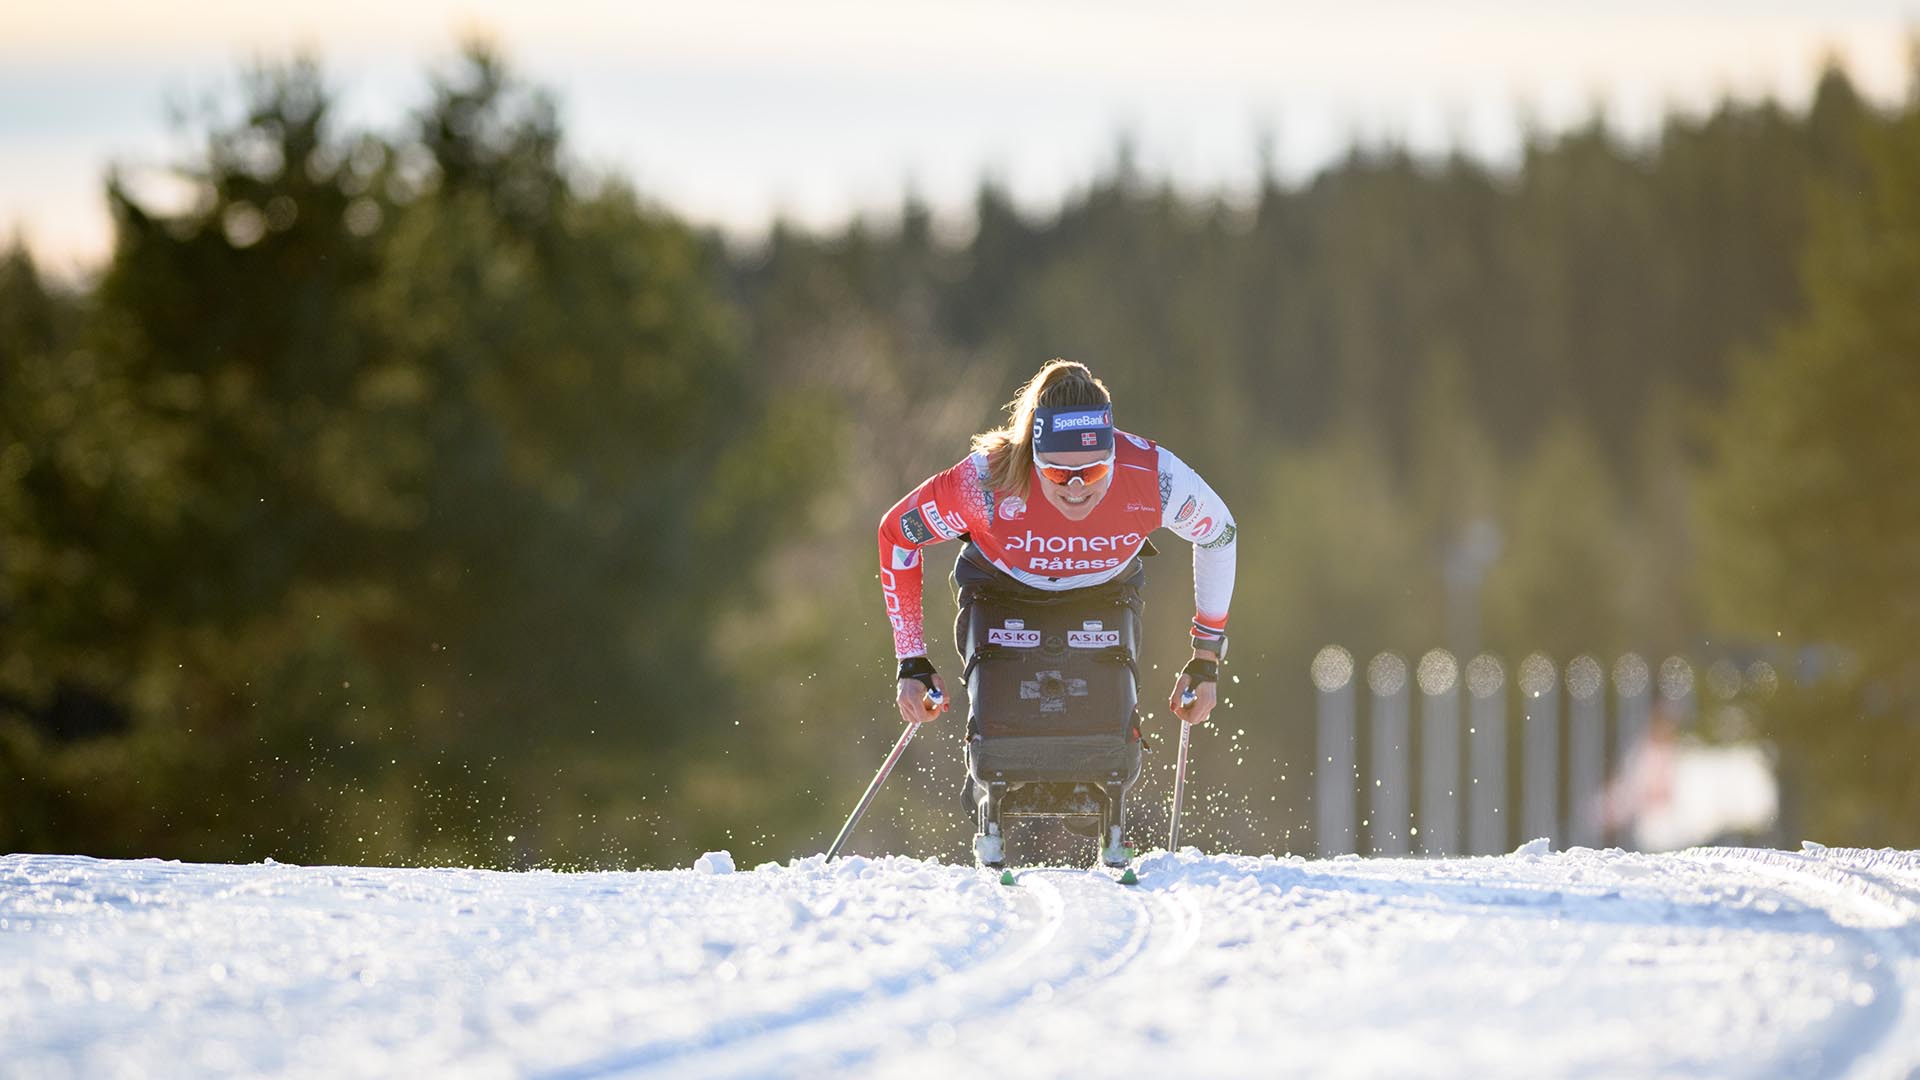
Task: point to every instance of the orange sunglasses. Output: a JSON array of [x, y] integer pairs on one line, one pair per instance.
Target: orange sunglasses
[[1089, 474]]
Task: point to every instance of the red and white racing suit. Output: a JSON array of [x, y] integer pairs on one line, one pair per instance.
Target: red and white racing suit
[[1031, 541]]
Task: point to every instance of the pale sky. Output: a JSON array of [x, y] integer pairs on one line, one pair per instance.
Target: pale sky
[[735, 111]]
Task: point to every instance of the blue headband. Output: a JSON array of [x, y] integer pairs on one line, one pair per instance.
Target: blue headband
[[1060, 431]]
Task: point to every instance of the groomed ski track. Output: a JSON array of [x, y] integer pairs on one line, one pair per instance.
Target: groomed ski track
[[1069, 932], [1709, 962]]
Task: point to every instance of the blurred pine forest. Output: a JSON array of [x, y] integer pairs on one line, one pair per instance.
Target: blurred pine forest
[[424, 497]]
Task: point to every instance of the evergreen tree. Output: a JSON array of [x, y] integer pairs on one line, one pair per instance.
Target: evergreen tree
[[1811, 504]]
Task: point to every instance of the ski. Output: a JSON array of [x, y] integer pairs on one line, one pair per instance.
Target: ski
[[1119, 875]]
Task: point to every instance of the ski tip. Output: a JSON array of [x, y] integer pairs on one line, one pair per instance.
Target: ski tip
[[1128, 878], [1006, 877]]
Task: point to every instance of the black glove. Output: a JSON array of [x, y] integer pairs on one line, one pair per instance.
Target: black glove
[[1199, 670], [918, 667]]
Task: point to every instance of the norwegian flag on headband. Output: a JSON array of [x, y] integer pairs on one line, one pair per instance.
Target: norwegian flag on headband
[[1088, 438]]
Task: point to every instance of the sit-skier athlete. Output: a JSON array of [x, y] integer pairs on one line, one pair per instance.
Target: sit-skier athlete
[[1100, 492]]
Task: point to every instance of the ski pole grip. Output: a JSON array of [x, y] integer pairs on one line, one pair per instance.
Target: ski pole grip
[[919, 667], [1197, 671]]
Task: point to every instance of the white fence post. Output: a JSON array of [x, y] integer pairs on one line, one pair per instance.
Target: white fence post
[[1439, 678], [1388, 813], [1487, 756], [1631, 681], [1335, 765], [1587, 747], [1540, 781], [1676, 688]]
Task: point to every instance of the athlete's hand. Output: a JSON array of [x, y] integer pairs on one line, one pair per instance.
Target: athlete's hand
[[1205, 693], [919, 705]]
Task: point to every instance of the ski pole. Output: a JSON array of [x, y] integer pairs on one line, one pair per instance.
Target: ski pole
[[1180, 776], [879, 778]]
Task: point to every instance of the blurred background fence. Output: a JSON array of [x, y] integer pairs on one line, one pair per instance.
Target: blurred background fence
[[1440, 758]]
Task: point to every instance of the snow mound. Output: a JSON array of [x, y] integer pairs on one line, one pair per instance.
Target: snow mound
[[714, 862]]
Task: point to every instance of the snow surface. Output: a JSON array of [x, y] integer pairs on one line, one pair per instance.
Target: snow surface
[[1710, 962]]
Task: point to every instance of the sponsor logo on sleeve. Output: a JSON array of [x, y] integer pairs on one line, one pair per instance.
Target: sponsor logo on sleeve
[[1014, 635], [1092, 639], [930, 514], [1225, 538], [905, 558], [914, 524], [1012, 508], [889, 587], [955, 521], [1138, 441], [1186, 510], [1202, 527]]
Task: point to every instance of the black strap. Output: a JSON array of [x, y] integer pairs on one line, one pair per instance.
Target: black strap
[[917, 667], [1200, 669], [981, 654]]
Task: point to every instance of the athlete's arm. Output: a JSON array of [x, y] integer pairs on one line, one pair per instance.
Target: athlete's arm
[[941, 508], [1197, 515]]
